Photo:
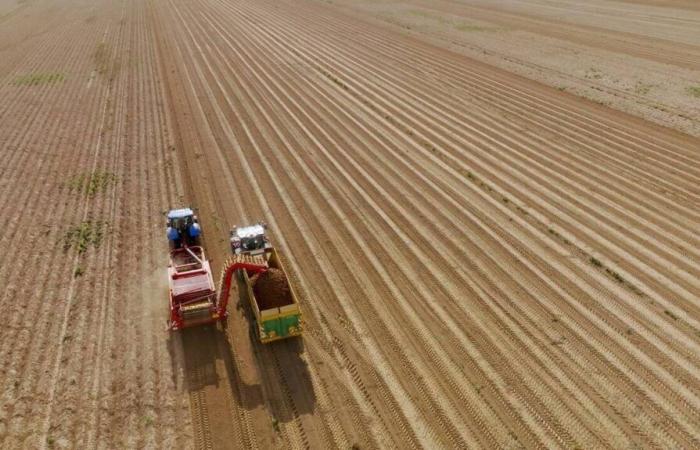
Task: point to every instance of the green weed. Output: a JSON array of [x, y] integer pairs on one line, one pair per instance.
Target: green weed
[[91, 184], [81, 237], [642, 88]]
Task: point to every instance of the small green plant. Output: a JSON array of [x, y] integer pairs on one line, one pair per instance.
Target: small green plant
[[615, 275], [50, 441], [594, 74], [670, 314], [642, 88], [101, 57], [81, 237], [91, 183], [275, 424], [34, 79], [694, 91], [78, 272], [596, 262], [147, 420]]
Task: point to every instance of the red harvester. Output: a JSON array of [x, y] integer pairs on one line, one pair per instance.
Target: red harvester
[[193, 299]]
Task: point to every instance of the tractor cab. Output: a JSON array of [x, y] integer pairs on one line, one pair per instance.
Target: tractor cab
[[250, 239], [183, 227]]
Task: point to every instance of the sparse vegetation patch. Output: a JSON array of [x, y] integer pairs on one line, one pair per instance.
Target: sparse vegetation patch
[[91, 183], [694, 91], [34, 79], [81, 237], [642, 88]]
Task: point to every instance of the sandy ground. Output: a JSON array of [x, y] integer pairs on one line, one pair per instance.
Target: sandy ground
[[639, 57], [483, 261]]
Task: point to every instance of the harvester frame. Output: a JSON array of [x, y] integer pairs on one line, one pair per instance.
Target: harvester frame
[[193, 298]]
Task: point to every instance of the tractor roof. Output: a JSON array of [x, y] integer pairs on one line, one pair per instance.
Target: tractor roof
[[250, 231], [180, 213]]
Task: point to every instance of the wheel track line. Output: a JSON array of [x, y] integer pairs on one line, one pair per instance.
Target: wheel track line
[[382, 367], [169, 191], [458, 70], [92, 429], [337, 436], [114, 143], [358, 50], [622, 42], [319, 109], [291, 114], [71, 287], [246, 433], [35, 316], [293, 407], [296, 435], [31, 59], [22, 137], [378, 43]]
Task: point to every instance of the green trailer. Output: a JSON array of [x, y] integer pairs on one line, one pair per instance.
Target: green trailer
[[276, 323]]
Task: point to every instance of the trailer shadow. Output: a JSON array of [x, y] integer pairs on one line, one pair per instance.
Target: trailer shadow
[[203, 358], [284, 373], [206, 362]]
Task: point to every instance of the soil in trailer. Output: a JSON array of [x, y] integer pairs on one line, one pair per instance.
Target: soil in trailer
[[271, 289]]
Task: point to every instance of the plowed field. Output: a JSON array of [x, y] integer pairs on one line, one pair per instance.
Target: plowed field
[[482, 260]]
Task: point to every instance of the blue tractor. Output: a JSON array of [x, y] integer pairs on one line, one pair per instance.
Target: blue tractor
[[183, 228]]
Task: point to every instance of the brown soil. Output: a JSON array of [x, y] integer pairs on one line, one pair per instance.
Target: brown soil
[[594, 49], [271, 289], [483, 261]]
